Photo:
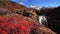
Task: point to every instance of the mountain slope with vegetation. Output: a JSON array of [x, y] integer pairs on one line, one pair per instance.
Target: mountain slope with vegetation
[[18, 19]]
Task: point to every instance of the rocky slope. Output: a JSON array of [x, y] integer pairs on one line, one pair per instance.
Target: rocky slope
[[17, 19]]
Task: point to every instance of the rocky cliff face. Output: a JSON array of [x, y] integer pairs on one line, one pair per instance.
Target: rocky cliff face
[[54, 19], [17, 19]]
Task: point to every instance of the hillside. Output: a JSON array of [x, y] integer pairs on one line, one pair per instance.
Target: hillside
[[18, 19], [11, 5]]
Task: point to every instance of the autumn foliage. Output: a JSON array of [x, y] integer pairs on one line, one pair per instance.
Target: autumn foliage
[[18, 19], [15, 25]]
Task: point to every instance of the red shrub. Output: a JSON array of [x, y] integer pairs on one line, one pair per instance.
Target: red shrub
[[11, 25]]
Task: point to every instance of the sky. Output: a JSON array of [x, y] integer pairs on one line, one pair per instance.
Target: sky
[[39, 3]]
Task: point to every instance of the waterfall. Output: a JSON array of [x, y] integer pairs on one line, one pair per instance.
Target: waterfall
[[43, 20]]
